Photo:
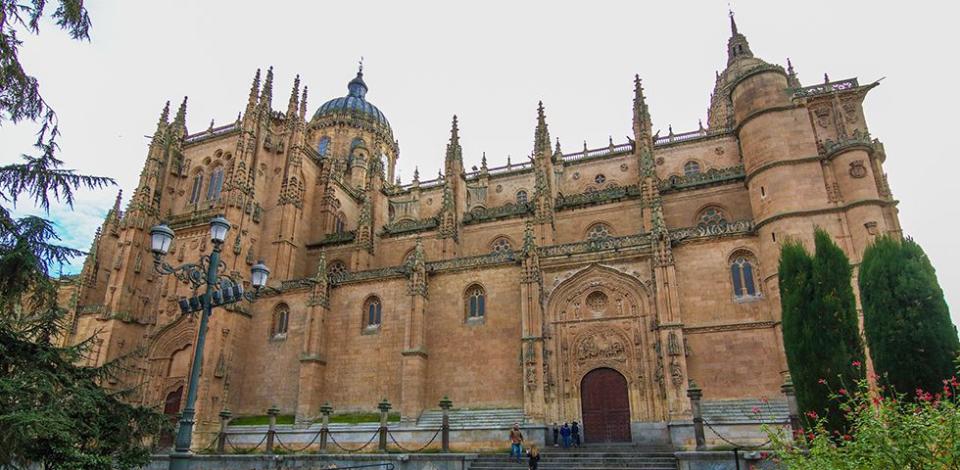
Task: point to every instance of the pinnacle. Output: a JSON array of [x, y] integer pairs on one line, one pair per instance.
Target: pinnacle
[[255, 87], [181, 116], [293, 104], [267, 93], [303, 103], [165, 114]]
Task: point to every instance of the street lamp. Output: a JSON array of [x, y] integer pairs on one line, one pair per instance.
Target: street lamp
[[221, 290]]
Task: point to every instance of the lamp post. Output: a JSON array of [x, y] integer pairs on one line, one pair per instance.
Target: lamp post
[[221, 289]]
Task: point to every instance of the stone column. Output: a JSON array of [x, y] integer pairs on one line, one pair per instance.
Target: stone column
[[414, 360], [695, 394], [384, 407], [272, 430], [445, 405], [313, 360], [222, 437], [325, 411], [787, 389]]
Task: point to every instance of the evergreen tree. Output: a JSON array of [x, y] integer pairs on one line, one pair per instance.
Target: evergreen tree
[[53, 413], [820, 332], [913, 342]]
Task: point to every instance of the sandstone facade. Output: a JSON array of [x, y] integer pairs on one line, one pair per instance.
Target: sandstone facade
[[500, 287]]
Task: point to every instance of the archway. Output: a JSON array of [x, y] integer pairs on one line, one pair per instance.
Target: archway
[[606, 406], [171, 408]]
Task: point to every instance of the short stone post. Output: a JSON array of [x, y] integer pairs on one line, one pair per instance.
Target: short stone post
[[222, 437], [325, 411], [445, 405], [384, 407], [794, 409], [695, 394], [272, 430]]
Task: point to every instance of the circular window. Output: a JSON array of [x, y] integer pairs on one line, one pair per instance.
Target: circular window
[[597, 301]]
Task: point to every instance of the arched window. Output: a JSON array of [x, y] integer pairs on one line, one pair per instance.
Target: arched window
[[197, 186], [599, 232], [281, 320], [742, 273], [340, 223], [711, 216], [373, 311], [521, 197], [357, 142], [691, 168], [501, 245], [323, 146], [337, 271], [216, 183], [476, 302]]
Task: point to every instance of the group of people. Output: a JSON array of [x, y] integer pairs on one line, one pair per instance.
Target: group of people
[[565, 435]]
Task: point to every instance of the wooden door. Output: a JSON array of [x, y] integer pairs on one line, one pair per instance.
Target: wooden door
[[171, 408], [606, 406]]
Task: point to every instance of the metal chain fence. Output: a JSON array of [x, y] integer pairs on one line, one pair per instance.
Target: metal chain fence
[[414, 451]]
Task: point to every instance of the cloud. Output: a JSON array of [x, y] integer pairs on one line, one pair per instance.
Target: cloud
[[75, 225]]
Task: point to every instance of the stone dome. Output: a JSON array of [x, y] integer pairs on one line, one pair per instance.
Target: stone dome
[[354, 104]]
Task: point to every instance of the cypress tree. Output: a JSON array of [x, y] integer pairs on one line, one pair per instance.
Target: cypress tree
[[913, 342], [820, 332]]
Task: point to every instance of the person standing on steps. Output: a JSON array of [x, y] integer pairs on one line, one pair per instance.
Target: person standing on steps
[[565, 435], [516, 442], [533, 457], [556, 435], [575, 432]]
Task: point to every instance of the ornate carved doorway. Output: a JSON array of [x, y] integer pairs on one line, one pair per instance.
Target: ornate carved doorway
[[606, 406], [171, 408]]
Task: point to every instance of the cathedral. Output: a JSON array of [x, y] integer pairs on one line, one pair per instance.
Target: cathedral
[[594, 285]]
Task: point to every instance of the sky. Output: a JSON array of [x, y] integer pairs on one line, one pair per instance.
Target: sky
[[490, 63]]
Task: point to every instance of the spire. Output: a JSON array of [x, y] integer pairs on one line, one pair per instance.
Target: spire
[[254, 90], [303, 103], [737, 45], [180, 120], [116, 203], [483, 162], [416, 174], [293, 104], [266, 94], [454, 151], [556, 148], [792, 78], [163, 122], [642, 127], [541, 137]]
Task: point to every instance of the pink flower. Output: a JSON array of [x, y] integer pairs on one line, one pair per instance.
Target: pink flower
[[842, 391], [847, 437], [856, 363], [755, 410], [812, 414], [822, 381]]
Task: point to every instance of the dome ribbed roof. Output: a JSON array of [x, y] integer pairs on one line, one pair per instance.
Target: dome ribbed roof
[[354, 103]]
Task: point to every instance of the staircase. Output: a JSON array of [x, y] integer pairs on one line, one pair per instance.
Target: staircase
[[585, 458], [464, 419]]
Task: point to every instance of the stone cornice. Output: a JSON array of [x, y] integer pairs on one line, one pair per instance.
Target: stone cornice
[[756, 325], [826, 210], [711, 177], [766, 166], [760, 112]]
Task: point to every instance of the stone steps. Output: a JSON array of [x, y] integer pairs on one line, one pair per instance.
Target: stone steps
[[494, 418], [584, 459]]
